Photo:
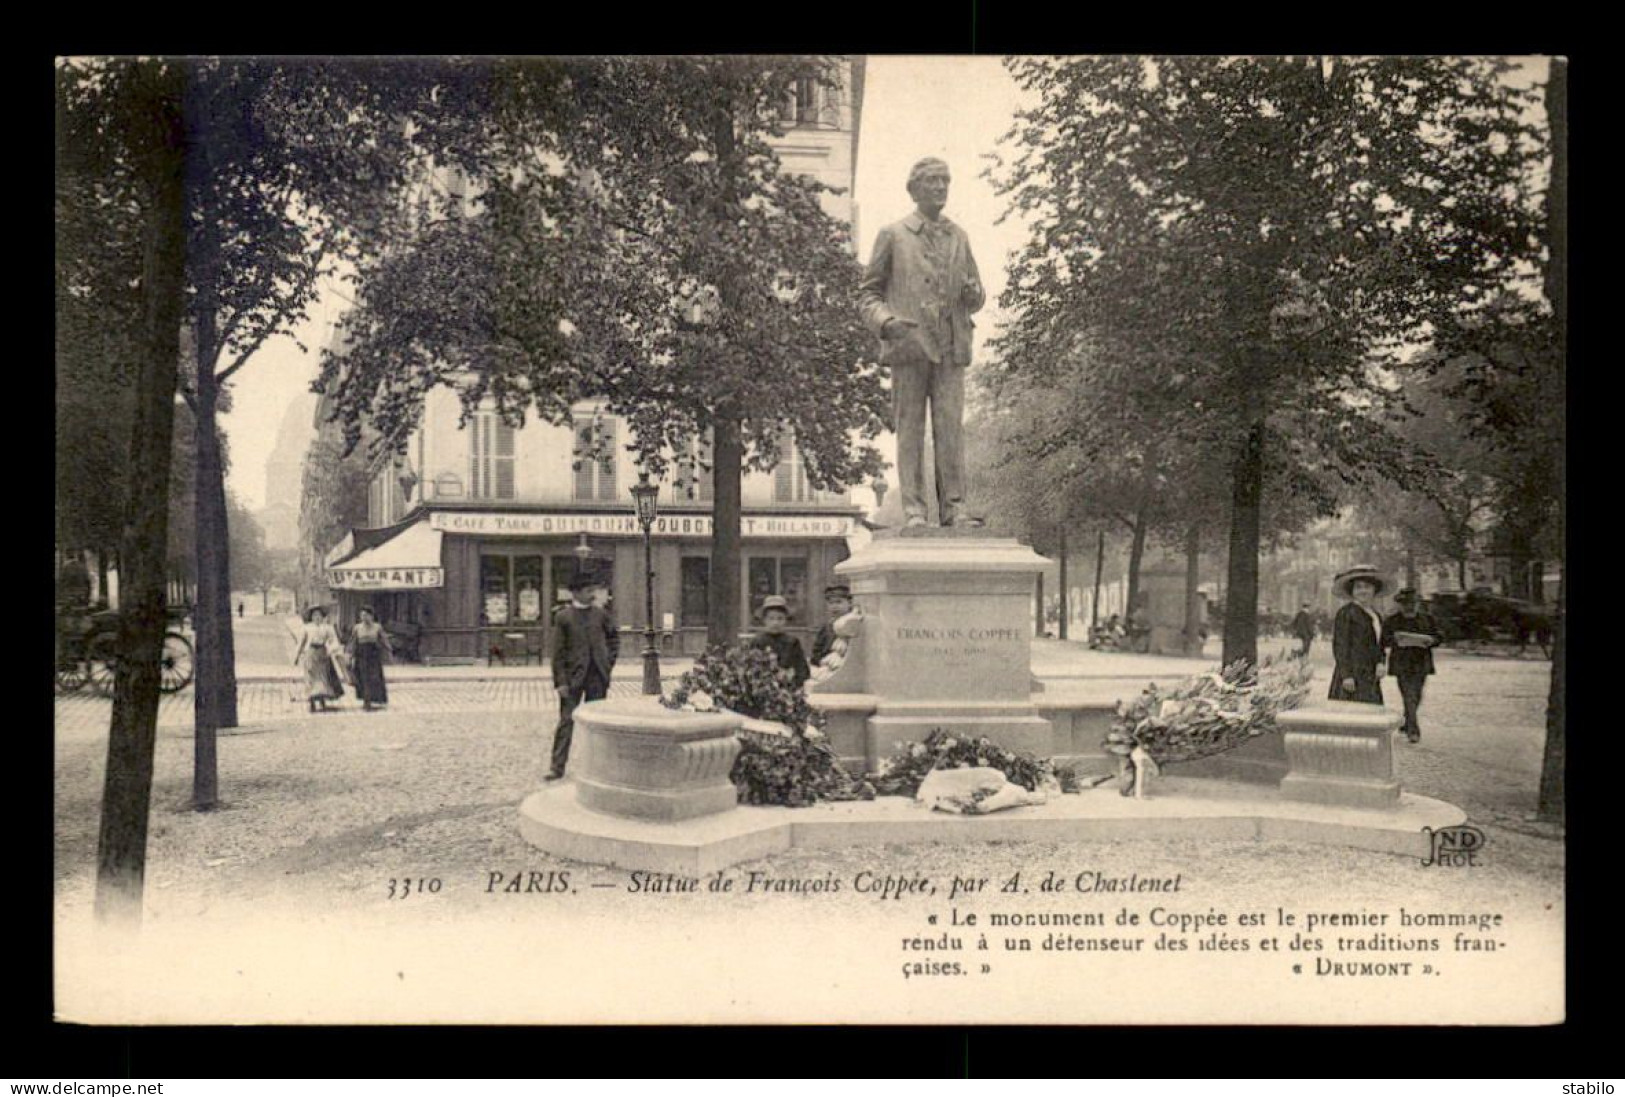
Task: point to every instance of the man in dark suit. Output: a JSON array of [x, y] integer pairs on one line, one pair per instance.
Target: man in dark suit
[[1303, 627], [1410, 664], [917, 295], [585, 646]]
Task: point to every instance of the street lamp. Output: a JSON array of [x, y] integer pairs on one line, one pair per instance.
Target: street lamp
[[647, 498]]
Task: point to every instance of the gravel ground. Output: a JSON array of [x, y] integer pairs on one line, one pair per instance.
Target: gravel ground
[[278, 907], [328, 810]]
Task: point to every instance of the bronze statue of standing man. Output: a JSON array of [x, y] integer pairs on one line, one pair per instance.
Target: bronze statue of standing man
[[918, 295]]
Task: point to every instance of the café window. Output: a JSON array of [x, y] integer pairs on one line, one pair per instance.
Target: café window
[[785, 576], [696, 594], [511, 590], [594, 462], [491, 448]]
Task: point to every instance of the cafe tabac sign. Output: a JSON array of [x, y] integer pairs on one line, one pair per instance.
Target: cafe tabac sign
[[489, 524]]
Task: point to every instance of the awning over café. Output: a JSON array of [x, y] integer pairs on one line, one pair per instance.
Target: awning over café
[[406, 559]]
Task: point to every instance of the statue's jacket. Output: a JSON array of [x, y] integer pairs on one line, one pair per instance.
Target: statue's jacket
[[919, 272]]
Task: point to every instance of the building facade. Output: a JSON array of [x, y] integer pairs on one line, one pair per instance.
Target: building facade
[[474, 533]]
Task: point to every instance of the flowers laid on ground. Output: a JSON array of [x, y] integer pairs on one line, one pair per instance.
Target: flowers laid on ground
[[1205, 715], [901, 774], [795, 768]]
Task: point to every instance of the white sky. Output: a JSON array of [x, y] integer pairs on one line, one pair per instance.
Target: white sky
[[951, 107]]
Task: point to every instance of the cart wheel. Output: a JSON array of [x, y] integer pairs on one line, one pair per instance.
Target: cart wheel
[[101, 663], [175, 671], [71, 675]]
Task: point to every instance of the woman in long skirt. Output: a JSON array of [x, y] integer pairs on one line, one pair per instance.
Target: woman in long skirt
[[315, 656], [368, 645], [1357, 638]]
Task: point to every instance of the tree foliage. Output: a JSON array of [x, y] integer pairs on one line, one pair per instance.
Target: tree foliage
[[1253, 241], [632, 239]]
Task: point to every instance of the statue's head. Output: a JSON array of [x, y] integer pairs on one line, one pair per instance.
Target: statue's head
[[928, 185]]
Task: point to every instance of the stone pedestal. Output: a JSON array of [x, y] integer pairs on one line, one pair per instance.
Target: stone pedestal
[[947, 636], [1341, 753], [640, 760]]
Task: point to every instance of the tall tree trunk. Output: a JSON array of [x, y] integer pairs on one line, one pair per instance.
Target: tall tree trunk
[[101, 577], [1038, 607], [1410, 569], [1193, 596], [1552, 765], [1100, 563], [1136, 554], [1461, 572], [1241, 595], [728, 462], [121, 848], [1066, 589], [1557, 292], [215, 687]]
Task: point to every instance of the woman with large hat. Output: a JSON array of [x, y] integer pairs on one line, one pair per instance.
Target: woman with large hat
[[1357, 637]]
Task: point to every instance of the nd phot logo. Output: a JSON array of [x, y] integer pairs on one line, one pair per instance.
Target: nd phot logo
[[1454, 847]]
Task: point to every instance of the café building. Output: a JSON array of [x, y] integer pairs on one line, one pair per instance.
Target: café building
[[476, 531]]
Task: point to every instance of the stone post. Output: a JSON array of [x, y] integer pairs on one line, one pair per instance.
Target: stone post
[[1340, 752], [641, 760]]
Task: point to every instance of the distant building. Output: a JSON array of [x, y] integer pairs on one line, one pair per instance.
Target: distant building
[[474, 534], [283, 472]]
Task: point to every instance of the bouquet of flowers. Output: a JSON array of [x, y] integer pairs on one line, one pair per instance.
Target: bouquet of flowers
[[901, 774], [793, 769], [1205, 715]]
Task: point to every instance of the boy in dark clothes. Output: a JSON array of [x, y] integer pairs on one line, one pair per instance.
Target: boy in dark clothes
[[786, 649]]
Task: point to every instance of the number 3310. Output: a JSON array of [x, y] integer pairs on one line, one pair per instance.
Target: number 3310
[[408, 885]]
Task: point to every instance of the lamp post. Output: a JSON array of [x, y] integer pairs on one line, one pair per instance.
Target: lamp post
[[647, 498]]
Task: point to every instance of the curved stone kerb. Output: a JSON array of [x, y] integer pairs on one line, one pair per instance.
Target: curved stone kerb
[[647, 716]]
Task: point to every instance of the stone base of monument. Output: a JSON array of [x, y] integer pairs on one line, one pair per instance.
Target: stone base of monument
[[1177, 807], [1340, 752], [637, 759]]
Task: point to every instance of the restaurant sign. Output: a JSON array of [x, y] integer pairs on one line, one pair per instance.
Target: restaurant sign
[[488, 524], [386, 578]]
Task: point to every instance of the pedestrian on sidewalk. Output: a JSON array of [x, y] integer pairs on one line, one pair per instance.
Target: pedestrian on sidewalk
[[1303, 627], [786, 649], [1357, 638], [585, 647], [369, 643], [317, 646], [1409, 636]]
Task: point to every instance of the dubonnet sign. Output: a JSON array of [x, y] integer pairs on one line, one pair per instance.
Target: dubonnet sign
[[625, 525]]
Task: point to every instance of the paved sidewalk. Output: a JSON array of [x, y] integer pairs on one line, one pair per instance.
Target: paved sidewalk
[[85, 716]]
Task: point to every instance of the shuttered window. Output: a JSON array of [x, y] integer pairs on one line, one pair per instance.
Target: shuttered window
[[491, 457], [790, 476], [595, 466], [695, 481]]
